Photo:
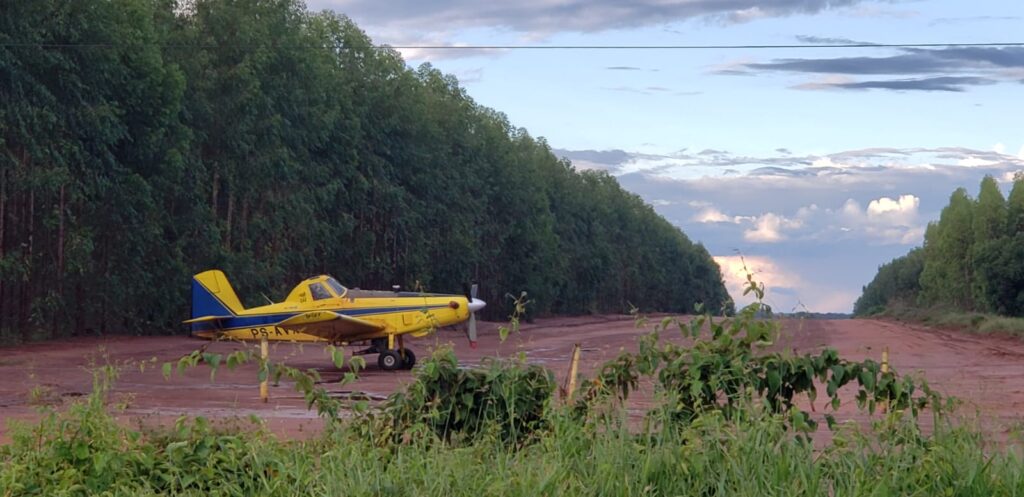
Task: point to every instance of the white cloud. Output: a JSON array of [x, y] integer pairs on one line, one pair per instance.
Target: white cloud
[[886, 220], [851, 209], [828, 300], [412, 40], [764, 269], [768, 228], [765, 228], [902, 211], [975, 162], [749, 14], [999, 148], [824, 162], [1010, 176], [807, 212], [712, 215], [829, 82], [470, 75], [785, 290]]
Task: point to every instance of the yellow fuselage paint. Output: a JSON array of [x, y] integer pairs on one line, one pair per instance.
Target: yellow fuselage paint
[[396, 313]]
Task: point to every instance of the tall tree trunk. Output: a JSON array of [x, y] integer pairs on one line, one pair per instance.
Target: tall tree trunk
[[58, 318], [60, 243], [231, 208], [243, 225], [104, 263], [79, 308], [28, 212], [213, 195], [3, 216]]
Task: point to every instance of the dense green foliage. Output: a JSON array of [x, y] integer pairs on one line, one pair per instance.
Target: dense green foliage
[[972, 260], [736, 443], [464, 403], [142, 141], [897, 280]]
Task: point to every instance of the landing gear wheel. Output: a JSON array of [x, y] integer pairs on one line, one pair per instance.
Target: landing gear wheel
[[410, 359], [389, 360]]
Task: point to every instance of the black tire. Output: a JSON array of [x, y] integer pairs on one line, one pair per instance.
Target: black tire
[[410, 359], [389, 360]]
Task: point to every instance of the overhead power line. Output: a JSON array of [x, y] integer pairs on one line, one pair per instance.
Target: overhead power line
[[538, 47], [706, 47]]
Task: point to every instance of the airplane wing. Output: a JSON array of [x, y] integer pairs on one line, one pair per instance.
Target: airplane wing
[[329, 325], [206, 319]]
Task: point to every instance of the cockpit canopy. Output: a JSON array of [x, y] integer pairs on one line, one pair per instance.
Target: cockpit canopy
[[337, 288], [317, 288]]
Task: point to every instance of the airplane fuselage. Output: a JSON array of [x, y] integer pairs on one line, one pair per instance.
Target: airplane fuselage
[[397, 314]]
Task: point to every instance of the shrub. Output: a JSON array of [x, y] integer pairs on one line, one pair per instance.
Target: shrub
[[506, 397]]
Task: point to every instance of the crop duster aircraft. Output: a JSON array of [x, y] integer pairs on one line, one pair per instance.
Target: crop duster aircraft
[[322, 310]]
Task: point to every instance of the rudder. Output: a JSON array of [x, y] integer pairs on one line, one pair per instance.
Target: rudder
[[212, 295]]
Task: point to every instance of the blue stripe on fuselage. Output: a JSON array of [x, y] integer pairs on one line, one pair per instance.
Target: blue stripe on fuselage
[[272, 319]]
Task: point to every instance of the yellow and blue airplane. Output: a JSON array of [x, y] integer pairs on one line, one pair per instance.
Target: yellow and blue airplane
[[322, 310]]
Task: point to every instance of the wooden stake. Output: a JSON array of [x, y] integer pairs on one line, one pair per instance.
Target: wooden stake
[[885, 369], [264, 354], [573, 366]]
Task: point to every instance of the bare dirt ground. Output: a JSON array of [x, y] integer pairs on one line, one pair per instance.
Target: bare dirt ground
[[987, 372]]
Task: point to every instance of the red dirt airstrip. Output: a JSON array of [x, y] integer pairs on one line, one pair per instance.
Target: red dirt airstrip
[[986, 372]]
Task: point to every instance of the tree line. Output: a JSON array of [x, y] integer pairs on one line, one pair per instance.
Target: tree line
[[972, 258], [142, 141]]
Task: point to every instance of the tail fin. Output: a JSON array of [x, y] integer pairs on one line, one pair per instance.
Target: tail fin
[[213, 297]]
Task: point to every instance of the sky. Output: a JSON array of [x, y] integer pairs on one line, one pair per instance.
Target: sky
[[808, 166]]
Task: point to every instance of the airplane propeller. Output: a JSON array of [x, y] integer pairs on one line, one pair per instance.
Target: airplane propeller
[[475, 304]]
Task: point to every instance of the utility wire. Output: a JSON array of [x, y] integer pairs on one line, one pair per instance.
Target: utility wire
[[534, 47], [708, 47]]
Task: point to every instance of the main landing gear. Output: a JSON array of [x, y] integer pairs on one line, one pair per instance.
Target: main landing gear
[[390, 358]]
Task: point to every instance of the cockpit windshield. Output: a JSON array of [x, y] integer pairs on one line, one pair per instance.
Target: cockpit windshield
[[318, 291], [339, 290]]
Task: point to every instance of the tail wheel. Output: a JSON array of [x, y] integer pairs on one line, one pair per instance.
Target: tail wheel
[[410, 359], [389, 360]]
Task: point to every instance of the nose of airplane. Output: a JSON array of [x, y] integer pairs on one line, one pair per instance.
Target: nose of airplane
[[476, 305]]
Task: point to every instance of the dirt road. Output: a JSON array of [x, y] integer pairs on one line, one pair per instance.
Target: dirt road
[[986, 372]]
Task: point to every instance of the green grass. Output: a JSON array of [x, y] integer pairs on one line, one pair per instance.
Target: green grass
[[85, 452], [954, 319], [748, 451]]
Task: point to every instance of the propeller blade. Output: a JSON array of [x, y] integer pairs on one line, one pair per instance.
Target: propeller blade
[[474, 305]]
